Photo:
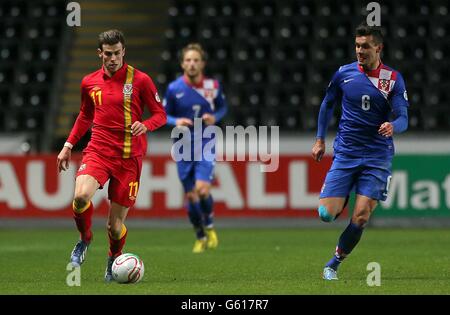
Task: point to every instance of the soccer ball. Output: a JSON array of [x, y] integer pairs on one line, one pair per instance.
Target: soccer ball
[[128, 268]]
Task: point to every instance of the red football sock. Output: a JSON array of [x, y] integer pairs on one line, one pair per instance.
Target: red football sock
[[116, 245], [83, 219]]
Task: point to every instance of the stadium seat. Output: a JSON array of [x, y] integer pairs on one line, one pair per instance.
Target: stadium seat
[[18, 100], [416, 96], [4, 97], [305, 8], [415, 121], [291, 96], [423, 8], [17, 9], [270, 118], [15, 121], [209, 10], [238, 75], [343, 9], [438, 73], [36, 11], [12, 30], [234, 97], [387, 8], [190, 9], [413, 75], [34, 120], [6, 73], [440, 28], [422, 28], [253, 97], [247, 10], [439, 50], [309, 119], [437, 96], [295, 30], [273, 97], [246, 117], [296, 72], [314, 96], [258, 74], [290, 119], [268, 8], [441, 8], [9, 51], [223, 53], [218, 71], [55, 9], [435, 119]]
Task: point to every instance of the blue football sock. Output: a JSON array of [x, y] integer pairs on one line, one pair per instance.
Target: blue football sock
[[347, 241], [206, 205], [349, 238], [195, 216], [334, 262]]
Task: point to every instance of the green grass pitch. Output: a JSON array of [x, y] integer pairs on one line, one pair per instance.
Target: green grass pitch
[[248, 261]]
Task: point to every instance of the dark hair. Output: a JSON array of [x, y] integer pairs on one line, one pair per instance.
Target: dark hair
[[365, 30], [193, 46], [110, 37]]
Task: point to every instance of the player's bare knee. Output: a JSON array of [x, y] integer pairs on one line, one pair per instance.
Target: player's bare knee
[[361, 217], [361, 221], [115, 229], [192, 196], [202, 190], [203, 193]]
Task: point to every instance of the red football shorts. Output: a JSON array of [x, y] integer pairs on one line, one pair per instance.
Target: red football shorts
[[123, 175]]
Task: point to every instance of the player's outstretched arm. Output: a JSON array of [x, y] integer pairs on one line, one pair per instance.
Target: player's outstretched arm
[[318, 149], [333, 94], [63, 158]]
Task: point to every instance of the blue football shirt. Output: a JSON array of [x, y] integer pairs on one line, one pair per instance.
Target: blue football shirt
[[368, 98], [183, 100]]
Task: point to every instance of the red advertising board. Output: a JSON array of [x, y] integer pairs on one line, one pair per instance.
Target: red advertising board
[[30, 186]]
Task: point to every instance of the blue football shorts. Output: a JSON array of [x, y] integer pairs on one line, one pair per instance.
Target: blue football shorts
[[366, 176], [190, 171]]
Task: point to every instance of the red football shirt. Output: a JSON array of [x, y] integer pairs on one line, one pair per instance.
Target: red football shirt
[[111, 105]]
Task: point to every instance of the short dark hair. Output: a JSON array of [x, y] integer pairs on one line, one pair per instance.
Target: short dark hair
[[193, 46], [110, 37], [365, 30]]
